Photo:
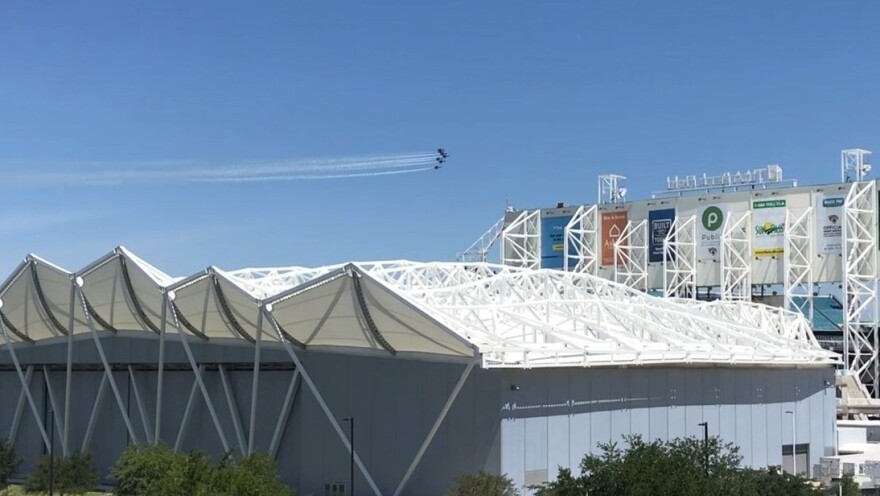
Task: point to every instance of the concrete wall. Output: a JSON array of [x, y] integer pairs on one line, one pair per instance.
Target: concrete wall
[[553, 419], [556, 416]]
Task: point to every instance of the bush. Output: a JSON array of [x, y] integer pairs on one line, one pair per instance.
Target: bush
[[483, 484], [148, 470], [73, 475], [253, 475], [677, 467], [9, 462]]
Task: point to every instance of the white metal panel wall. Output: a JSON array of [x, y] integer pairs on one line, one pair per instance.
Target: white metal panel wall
[[742, 405]]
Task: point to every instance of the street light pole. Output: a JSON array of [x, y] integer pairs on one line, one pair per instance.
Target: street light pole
[[705, 426], [350, 420], [793, 442], [51, 452]]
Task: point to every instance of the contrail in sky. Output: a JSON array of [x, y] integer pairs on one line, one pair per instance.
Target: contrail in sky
[[115, 173]]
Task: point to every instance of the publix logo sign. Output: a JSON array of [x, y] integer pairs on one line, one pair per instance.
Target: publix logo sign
[[712, 218]]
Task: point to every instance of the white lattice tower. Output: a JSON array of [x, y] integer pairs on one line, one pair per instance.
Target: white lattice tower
[[631, 255], [521, 241], [799, 254], [479, 250], [859, 282], [582, 241], [736, 257], [854, 165], [680, 259]]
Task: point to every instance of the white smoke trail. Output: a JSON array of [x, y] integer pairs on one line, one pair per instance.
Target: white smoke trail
[[99, 173], [292, 177]]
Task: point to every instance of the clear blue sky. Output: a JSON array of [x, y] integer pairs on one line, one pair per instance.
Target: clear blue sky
[[533, 100]]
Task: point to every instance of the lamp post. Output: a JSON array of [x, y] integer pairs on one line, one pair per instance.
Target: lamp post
[[705, 426], [350, 421], [793, 442], [51, 452]]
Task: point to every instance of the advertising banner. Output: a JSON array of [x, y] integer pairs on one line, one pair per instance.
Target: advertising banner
[[709, 229], [768, 222], [659, 224], [553, 241], [829, 223], [612, 225]]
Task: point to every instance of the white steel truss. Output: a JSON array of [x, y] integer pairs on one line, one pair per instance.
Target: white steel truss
[[631, 256], [521, 241], [854, 165], [799, 255], [736, 257], [581, 245], [479, 250], [860, 282], [680, 259]]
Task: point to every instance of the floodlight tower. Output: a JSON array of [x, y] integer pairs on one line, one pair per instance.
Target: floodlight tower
[[854, 165], [611, 188]]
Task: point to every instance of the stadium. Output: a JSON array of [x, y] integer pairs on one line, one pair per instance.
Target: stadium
[[434, 369]]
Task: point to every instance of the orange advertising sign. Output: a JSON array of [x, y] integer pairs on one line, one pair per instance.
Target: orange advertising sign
[[613, 224]]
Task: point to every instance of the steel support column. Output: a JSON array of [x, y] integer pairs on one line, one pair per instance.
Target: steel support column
[[233, 410], [54, 404], [108, 371], [199, 379], [24, 384], [284, 415], [323, 404], [90, 428], [157, 433], [65, 436], [187, 412], [19, 408], [252, 431], [145, 420], [437, 423]]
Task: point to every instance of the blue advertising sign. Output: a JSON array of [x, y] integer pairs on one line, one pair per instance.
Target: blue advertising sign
[[659, 224], [553, 241]]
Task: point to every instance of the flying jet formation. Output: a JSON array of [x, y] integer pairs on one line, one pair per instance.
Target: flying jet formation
[[441, 157]]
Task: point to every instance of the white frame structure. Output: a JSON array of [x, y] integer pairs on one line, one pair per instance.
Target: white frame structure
[[631, 256], [799, 253], [479, 250], [736, 257], [581, 246], [860, 283], [521, 241], [680, 259]]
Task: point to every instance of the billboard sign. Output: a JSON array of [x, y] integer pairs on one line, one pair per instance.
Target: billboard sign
[[768, 222], [829, 224], [553, 241], [659, 225], [709, 229], [612, 226]]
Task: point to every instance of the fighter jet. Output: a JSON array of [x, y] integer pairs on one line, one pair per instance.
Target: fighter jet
[[441, 157]]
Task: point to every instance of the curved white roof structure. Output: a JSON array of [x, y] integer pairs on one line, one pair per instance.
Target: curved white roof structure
[[507, 317]]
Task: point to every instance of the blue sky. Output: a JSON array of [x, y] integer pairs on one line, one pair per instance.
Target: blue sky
[[532, 99]]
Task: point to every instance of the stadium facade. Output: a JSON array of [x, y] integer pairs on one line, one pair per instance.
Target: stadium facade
[[446, 369]]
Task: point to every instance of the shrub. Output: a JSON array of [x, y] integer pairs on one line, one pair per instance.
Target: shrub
[[483, 484], [9, 462], [73, 475], [147, 470]]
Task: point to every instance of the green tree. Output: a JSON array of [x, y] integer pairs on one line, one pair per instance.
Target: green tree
[[483, 484], [156, 470], [253, 475], [9, 462], [681, 467], [73, 475], [845, 486]]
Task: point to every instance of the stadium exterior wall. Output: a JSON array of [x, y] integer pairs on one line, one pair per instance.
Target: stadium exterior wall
[[523, 422]]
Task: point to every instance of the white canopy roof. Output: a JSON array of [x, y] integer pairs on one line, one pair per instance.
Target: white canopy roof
[[510, 317]]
